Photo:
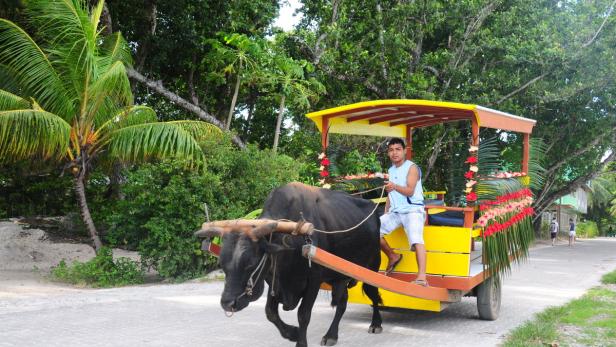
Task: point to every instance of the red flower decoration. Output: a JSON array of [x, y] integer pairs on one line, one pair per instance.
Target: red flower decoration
[[469, 174], [325, 162], [324, 173], [471, 160], [472, 196]]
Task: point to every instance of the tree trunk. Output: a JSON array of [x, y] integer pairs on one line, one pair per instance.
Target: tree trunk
[[279, 122], [251, 111], [234, 99], [80, 190]]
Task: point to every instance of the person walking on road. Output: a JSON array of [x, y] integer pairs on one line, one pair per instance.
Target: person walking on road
[[553, 230], [571, 232]]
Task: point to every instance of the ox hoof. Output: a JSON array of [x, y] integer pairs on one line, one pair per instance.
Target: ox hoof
[[328, 341], [375, 329]]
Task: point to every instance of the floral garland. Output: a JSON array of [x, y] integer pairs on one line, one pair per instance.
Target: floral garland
[[471, 174], [509, 174], [324, 173], [514, 205], [370, 175], [499, 227]]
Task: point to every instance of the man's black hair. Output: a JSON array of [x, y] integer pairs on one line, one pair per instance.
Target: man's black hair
[[396, 140]]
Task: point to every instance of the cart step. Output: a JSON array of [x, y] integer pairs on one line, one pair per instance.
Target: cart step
[[377, 279]]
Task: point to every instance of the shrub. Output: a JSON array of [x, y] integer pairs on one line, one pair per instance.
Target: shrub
[[587, 229], [162, 208], [163, 204], [100, 271]]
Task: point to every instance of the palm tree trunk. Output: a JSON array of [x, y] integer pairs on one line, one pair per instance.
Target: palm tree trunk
[[80, 190], [279, 122], [234, 99]]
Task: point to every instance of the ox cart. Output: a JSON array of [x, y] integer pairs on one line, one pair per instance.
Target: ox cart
[[465, 244]]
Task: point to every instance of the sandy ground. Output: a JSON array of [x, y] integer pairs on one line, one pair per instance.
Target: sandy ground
[[27, 256]]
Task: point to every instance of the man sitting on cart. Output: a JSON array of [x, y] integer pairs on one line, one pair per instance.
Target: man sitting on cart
[[404, 207]]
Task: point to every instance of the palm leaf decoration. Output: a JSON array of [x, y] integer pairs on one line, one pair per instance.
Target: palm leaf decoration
[[65, 96], [515, 229], [536, 168]]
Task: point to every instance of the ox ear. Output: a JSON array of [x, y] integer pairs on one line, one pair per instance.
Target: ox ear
[[271, 248]]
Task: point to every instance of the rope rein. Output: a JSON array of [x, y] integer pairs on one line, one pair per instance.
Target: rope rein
[[376, 206]]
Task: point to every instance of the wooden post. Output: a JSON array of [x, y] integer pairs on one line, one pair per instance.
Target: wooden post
[[409, 143], [324, 132], [526, 153], [475, 132]]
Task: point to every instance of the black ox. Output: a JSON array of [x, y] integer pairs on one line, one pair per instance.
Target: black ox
[[276, 258]]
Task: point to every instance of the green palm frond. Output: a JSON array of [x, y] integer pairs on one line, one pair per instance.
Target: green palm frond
[[489, 158], [28, 133], [113, 49], [67, 26], [601, 190], [111, 88], [153, 140], [536, 169], [197, 129], [8, 80], [128, 116], [491, 188], [10, 101], [33, 70]]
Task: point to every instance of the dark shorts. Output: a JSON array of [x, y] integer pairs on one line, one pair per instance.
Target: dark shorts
[[553, 235]]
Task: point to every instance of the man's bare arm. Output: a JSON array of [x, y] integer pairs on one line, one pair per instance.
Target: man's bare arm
[[411, 182]]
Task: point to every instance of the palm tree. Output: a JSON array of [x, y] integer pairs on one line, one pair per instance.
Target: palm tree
[[66, 97]]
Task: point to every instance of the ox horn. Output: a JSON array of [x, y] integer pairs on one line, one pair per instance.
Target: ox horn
[[210, 232], [262, 230]]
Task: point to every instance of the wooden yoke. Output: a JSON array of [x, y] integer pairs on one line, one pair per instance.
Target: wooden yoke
[[247, 225]]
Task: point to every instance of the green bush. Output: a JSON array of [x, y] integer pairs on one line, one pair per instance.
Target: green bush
[[163, 204], [587, 229], [100, 271], [353, 163]]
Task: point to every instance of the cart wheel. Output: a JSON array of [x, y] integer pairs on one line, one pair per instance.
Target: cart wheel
[[489, 299]]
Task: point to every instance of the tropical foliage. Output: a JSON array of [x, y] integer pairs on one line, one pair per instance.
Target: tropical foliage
[[67, 98]]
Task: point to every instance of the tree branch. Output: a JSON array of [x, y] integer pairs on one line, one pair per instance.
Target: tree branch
[[158, 87], [581, 151], [607, 16], [575, 184], [522, 88]]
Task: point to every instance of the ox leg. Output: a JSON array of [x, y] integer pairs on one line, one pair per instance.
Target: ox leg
[[287, 331], [340, 297], [305, 311], [373, 294]]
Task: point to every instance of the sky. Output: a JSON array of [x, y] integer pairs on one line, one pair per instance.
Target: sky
[[286, 20]]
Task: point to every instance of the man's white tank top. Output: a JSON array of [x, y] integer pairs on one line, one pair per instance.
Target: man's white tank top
[[399, 203]]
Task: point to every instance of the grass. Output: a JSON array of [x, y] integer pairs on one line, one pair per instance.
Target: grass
[[588, 321]]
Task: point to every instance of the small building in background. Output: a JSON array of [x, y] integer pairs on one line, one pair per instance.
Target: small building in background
[[569, 206]]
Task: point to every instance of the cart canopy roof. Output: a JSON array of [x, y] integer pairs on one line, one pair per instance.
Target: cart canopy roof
[[390, 118]]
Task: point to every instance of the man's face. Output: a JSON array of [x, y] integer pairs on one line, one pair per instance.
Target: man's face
[[395, 152]]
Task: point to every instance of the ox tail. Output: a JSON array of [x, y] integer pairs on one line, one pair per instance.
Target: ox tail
[[372, 292]]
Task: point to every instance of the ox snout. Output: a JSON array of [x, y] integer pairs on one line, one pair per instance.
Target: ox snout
[[234, 304]]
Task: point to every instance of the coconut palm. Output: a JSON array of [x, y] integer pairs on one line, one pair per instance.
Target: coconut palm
[[66, 97]]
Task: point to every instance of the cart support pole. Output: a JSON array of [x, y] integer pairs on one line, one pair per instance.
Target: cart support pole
[[526, 153], [409, 143], [324, 132]]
